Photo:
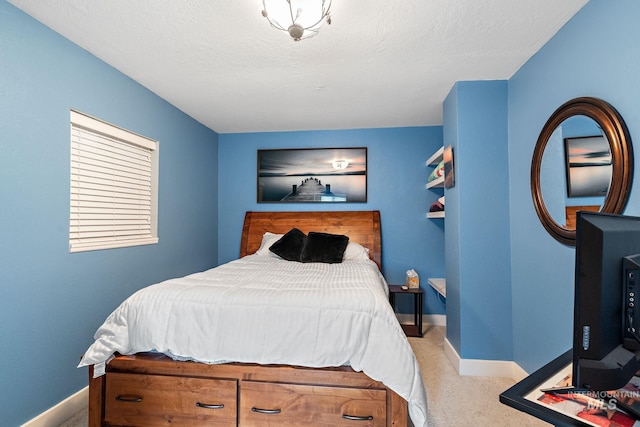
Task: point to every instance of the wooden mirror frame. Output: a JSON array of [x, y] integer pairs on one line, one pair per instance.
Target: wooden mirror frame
[[615, 130]]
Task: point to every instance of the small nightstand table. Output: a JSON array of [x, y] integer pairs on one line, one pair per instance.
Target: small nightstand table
[[414, 330]]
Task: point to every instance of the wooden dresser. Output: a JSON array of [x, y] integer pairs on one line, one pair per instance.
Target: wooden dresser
[[153, 390]]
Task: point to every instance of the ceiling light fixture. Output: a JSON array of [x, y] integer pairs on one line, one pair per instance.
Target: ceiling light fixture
[[300, 18]]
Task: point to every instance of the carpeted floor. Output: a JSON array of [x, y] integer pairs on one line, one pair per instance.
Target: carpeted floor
[[462, 401], [454, 401]]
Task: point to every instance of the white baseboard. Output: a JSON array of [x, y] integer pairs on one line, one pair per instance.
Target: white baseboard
[[61, 412], [427, 319], [518, 373], [483, 368], [434, 319]]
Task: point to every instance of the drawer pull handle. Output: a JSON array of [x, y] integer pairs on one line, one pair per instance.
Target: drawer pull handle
[[129, 398], [357, 418], [209, 406], [265, 411]]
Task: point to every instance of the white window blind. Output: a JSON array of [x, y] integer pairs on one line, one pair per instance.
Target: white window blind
[[113, 186]]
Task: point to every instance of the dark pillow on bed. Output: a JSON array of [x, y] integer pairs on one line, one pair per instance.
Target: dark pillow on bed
[[324, 247], [290, 245]]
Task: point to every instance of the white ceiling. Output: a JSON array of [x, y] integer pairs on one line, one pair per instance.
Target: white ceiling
[[381, 63]]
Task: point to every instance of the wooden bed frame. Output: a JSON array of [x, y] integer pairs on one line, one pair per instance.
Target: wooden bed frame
[[149, 389], [361, 226]]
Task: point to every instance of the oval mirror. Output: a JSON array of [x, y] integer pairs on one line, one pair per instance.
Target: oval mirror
[[583, 160]]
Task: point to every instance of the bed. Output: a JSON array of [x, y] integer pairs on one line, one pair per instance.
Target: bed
[[307, 351]]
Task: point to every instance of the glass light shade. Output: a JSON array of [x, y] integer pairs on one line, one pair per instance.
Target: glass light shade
[[300, 18]]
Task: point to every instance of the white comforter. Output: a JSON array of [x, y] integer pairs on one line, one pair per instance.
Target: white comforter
[[261, 309]]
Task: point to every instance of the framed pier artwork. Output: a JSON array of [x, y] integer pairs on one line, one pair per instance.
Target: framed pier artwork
[[312, 175]]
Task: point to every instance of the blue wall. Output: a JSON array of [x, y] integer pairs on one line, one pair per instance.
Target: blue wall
[[477, 250], [452, 209], [51, 301], [397, 176], [596, 54]]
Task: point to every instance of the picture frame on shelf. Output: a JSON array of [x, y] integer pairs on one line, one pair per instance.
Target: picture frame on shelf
[[447, 156]]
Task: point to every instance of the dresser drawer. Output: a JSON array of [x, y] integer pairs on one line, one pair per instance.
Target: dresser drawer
[[156, 400], [274, 404]]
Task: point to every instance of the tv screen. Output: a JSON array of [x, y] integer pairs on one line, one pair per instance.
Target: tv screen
[[605, 348]]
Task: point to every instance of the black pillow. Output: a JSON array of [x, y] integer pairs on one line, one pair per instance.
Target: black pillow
[[324, 247], [290, 245]]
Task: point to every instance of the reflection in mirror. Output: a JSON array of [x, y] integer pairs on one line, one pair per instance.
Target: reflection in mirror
[[583, 160], [588, 158], [576, 169], [588, 166], [553, 177]]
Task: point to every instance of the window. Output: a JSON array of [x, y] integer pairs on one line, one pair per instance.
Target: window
[[114, 186]]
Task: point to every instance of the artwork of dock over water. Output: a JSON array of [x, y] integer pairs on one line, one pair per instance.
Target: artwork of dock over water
[[312, 190], [312, 175]]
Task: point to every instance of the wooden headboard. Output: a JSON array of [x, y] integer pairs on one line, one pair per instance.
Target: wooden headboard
[[361, 226]]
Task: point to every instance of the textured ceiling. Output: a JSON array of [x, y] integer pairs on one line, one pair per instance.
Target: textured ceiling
[[381, 63]]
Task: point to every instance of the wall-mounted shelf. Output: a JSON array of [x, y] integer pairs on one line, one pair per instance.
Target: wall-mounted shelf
[[439, 284], [436, 183], [436, 157], [434, 161]]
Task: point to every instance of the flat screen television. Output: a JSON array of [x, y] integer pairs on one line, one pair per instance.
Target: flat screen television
[[606, 317]]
